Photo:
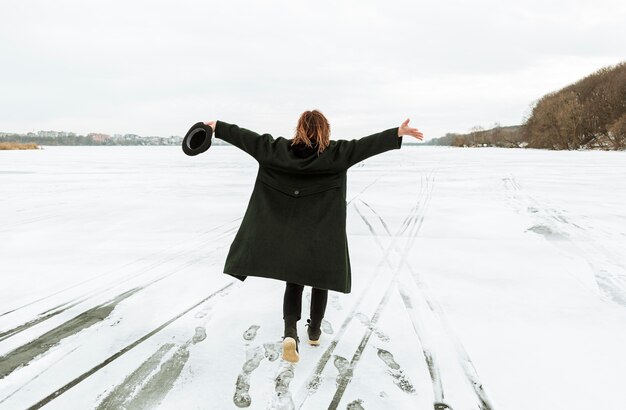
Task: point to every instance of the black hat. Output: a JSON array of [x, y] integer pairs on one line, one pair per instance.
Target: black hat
[[198, 139]]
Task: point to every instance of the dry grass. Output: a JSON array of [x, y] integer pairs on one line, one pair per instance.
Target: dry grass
[[18, 145]]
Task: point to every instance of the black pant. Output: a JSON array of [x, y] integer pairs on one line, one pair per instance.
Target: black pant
[[292, 304]]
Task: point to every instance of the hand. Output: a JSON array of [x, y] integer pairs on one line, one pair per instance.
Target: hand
[[404, 129], [211, 124]]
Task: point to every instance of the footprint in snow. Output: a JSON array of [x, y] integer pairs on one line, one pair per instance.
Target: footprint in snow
[[242, 398], [343, 366], [282, 400], [250, 334], [202, 313], [272, 351], [200, 335], [399, 378], [547, 232], [356, 405], [387, 357], [327, 327], [366, 322], [334, 302], [284, 378], [341, 363]]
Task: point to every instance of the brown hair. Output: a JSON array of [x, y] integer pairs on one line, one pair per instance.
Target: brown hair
[[313, 128]]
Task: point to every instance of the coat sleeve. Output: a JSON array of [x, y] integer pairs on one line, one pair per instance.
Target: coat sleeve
[[257, 145], [351, 152]]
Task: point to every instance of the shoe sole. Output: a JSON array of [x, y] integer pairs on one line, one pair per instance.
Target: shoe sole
[[289, 350], [314, 342]]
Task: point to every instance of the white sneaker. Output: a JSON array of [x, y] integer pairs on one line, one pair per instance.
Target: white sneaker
[[290, 350]]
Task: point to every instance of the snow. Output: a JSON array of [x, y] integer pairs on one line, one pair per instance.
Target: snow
[[503, 268]]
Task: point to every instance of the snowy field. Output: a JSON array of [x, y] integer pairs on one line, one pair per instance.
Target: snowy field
[[482, 279]]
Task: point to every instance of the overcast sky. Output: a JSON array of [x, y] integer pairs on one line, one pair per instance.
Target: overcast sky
[[155, 68]]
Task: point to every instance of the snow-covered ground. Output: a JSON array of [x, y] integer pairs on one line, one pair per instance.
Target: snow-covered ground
[[482, 278]]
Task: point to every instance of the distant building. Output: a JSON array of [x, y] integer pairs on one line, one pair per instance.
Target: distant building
[[47, 134], [99, 138], [94, 138]]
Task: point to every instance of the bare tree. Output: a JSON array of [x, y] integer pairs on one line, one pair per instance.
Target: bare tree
[[617, 133]]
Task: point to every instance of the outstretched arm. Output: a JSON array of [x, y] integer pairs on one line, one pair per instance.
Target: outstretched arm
[[356, 150], [257, 145]]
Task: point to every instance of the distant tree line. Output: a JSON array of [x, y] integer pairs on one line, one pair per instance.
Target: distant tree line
[[66, 140], [590, 113], [498, 136], [89, 140]]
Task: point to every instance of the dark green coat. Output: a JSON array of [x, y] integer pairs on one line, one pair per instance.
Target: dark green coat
[[294, 228]]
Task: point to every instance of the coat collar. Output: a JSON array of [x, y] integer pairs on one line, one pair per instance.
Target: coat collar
[[302, 150]]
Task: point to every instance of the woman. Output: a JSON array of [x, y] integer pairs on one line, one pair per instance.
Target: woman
[[294, 228]]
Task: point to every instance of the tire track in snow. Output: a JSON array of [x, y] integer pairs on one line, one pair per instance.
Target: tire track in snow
[[50, 313], [224, 290], [24, 354], [159, 385], [471, 375], [156, 255], [429, 354], [314, 380], [147, 386], [368, 323], [366, 188], [38, 375], [347, 374], [608, 272], [427, 350], [122, 392], [35, 218]]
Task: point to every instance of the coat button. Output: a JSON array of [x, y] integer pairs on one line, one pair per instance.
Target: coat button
[[296, 192]]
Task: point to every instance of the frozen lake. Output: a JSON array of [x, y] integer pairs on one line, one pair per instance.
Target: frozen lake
[[482, 278]]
